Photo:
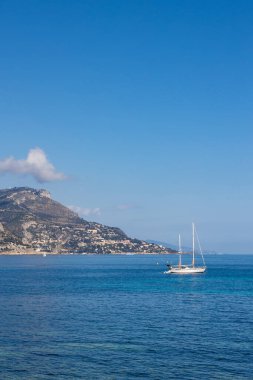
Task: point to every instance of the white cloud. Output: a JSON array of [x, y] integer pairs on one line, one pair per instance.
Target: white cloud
[[86, 211], [36, 164]]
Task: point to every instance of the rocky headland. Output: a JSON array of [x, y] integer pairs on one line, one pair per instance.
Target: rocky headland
[[31, 222]]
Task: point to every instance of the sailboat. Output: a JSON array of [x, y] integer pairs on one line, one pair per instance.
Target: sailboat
[[187, 269]]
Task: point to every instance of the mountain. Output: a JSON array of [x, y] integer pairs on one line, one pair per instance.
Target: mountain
[[32, 222]]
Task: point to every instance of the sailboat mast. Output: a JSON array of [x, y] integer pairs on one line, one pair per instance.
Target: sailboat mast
[[179, 251], [193, 244]]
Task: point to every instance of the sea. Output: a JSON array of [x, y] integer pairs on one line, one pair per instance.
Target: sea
[[120, 317]]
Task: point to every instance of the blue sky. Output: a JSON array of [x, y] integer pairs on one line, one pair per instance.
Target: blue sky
[[144, 106]]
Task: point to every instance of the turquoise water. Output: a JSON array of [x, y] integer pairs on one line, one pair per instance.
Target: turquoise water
[[120, 317]]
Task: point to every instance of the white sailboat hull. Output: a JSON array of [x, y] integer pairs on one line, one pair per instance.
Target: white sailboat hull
[[185, 270]]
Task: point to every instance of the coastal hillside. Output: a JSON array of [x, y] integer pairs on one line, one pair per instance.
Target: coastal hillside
[[32, 222]]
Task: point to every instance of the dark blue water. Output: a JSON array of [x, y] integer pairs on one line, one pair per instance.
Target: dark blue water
[[120, 317]]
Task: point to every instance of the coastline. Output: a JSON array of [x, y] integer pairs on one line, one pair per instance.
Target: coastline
[[41, 253]]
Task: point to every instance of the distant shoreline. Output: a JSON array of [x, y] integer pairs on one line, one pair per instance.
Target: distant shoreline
[[41, 253]]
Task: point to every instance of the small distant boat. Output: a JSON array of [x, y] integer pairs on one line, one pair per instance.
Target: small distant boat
[[44, 255], [187, 269]]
